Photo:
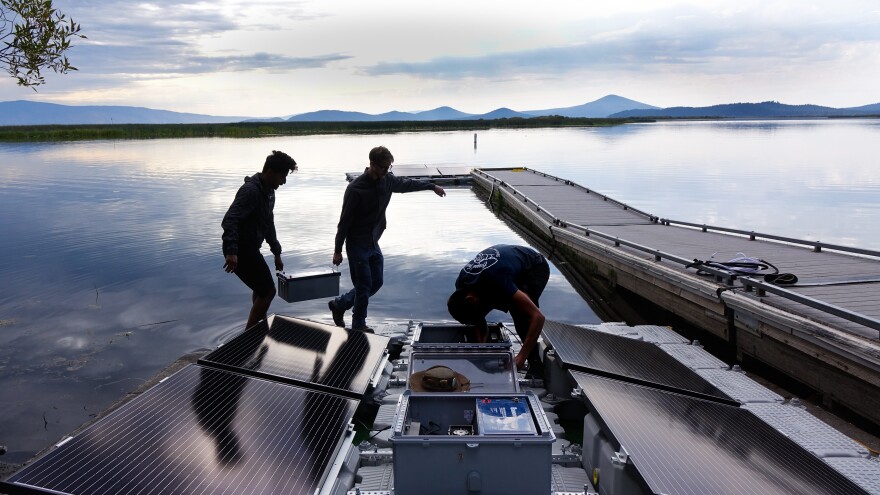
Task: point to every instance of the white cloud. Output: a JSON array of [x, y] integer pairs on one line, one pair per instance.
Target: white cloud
[[291, 57]]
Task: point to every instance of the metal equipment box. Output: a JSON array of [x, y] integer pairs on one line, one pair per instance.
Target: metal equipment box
[[460, 337], [293, 287], [474, 372], [454, 443]]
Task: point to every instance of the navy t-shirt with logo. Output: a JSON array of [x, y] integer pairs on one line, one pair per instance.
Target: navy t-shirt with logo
[[497, 272]]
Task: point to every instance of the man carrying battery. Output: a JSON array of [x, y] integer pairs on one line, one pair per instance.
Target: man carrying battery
[[510, 279], [249, 221], [361, 224]]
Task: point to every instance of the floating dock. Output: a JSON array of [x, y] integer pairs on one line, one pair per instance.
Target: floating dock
[[822, 331], [273, 412]]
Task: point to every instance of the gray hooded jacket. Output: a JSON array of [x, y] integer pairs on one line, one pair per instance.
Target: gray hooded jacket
[[250, 218]]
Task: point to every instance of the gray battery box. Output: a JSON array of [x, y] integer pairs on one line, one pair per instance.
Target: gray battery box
[[466, 443], [460, 337], [293, 287]]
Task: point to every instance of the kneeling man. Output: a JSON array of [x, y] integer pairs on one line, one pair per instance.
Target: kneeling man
[[510, 279]]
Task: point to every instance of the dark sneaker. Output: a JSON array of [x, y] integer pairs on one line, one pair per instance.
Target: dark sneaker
[[337, 313], [364, 329]]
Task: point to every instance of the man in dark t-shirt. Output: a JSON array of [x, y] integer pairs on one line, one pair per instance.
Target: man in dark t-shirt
[[510, 279]]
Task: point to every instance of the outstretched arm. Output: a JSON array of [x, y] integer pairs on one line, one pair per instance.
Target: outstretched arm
[[404, 185], [524, 306]]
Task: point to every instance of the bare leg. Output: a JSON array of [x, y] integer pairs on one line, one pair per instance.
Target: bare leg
[[260, 308]]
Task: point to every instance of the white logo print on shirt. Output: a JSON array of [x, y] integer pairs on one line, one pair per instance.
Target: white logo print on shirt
[[482, 261]]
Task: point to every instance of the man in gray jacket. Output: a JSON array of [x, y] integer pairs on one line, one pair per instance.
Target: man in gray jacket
[[249, 221], [361, 224]]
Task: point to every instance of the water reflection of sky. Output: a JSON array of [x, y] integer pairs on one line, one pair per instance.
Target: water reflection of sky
[[112, 261]]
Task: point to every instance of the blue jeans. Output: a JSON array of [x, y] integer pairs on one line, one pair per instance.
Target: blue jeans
[[367, 266]]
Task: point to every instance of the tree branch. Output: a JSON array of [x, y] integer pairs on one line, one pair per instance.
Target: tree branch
[[40, 36]]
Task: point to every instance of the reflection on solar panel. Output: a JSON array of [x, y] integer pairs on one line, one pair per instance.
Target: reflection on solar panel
[[683, 445], [301, 352], [627, 359], [201, 431]]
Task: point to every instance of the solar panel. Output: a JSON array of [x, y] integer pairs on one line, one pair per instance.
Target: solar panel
[[454, 170], [627, 359], [684, 445], [306, 353], [201, 431]]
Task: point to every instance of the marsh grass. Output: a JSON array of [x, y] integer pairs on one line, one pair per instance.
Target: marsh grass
[[263, 129]]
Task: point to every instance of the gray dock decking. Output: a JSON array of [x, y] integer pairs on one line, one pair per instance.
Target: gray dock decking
[[831, 315]]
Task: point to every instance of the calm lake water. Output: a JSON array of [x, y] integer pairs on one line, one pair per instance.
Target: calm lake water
[[112, 267]]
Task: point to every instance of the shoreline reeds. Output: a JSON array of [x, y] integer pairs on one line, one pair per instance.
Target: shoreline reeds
[[85, 132]]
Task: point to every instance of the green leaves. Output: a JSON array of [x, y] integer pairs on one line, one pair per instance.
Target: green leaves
[[34, 36]]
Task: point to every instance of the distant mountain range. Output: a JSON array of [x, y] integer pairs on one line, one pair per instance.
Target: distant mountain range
[[767, 109], [34, 113], [600, 108], [613, 106]]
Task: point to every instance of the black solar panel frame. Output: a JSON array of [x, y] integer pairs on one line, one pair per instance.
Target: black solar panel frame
[[731, 429], [561, 336], [228, 356], [161, 428]]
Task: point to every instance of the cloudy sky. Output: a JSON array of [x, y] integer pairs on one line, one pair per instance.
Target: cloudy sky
[[276, 58]]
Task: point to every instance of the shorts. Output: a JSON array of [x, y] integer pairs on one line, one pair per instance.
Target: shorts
[[254, 272]]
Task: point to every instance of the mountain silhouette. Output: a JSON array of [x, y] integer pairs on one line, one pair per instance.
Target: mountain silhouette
[[767, 109], [601, 108], [23, 112]]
